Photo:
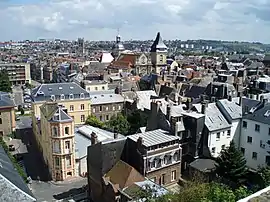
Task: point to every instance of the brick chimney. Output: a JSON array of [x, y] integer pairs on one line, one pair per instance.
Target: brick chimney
[[94, 138], [139, 142], [204, 106]]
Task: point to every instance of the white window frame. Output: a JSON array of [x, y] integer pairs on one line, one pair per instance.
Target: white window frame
[[71, 96]]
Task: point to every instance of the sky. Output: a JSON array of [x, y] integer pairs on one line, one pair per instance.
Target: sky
[[236, 20]]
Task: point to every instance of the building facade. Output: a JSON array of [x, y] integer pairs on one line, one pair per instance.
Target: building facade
[[99, 85], [19, 73], [57, 141]]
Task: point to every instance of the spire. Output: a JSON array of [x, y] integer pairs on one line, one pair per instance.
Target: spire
[[158, 44], [118, 37]]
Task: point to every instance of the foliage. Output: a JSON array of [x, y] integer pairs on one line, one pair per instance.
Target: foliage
[[13, 160], [241, 192], [231, 165], [119, 124], [93, 121], [22, 111], [136, 120], [28, 85], [264, 173], [5, 84]]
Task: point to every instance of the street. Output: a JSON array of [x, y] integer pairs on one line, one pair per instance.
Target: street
[[41, 186], [18, 95]]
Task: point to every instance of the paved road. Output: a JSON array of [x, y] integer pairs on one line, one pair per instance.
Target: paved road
[[18, 95], [25, 122]]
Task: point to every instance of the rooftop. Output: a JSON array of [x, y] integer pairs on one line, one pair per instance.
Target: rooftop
[[106, 98], [154, 137], [6, 100]]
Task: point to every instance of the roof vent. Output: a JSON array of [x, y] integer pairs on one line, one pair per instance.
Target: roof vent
[[102, 95], [110, 95], [50, 89], [71, 87], [95, 97], [40, 93], [60, 88], [267, 113]]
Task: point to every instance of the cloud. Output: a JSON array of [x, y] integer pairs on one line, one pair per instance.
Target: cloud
[[136, 19]]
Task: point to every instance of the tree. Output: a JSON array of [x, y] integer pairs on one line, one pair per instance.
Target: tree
[[5, 84], [231, 165], [22, 111], [264, 173], [119, 124], [136, 120], [93, 121]]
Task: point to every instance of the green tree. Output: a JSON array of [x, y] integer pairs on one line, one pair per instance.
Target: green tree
[[93, 121], [264, 173], [119, 124], [241, 192], [220, 193], [5, 84], [231, 165], [136, 120]]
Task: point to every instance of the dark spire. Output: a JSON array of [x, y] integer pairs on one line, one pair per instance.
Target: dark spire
[[158, 44]]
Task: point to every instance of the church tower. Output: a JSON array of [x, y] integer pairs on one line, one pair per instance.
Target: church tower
[[159, 52], [118, 47]]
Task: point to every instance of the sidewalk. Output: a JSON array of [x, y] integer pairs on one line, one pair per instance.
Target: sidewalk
[[69, 181]]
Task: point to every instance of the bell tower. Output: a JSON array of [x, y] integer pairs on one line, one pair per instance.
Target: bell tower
[[159, 52]]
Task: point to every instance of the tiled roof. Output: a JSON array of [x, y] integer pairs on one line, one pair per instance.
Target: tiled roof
[[5, 100]]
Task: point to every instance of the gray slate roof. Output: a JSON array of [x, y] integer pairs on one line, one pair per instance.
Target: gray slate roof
[[54, 113], [45, 91], [233, 109], [154, 137], [260, 114], [12, 186], [106, 98], [5, 100]]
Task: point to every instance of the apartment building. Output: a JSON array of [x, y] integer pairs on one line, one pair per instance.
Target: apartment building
[[255, 133], [57, 141], [7, 114], [156, 155], [96, 85], [105, 105], [73, 98], [19, 73]]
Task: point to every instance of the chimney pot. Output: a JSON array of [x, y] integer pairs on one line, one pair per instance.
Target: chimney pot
[[230, 98], [140, 141], [94, 139], [115, 135]]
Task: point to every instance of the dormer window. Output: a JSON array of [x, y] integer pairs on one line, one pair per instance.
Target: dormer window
[[53, 97], [82, 96], [62, 97], [71, 96]]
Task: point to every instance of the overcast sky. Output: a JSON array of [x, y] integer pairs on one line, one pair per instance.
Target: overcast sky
[[245, 20]]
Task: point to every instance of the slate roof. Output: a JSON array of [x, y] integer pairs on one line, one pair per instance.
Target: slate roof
[[214, 119], [54, 113], [158, 44], [5, 100], [12, 186], [261, 113], [233, 109], [98, 99], [44, 91], [154, 137], [203, 165], [195, 91]]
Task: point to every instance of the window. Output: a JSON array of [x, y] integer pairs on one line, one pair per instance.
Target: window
[[100, 118], [218, 135], [254, 155], [162, 179], [107, 108], [161, 58], [228, 133], [119, 107], [82, 95], [55, 132], [107, 118], [113, 108], [96, 88], [57, 161], [94, 110], [82, 118], [173, 175], [100, 108], [62, 97], [82, 106], [68, 161], [52, 97], [257, 128], [175, 157], [242, 150], [88, 89], [71, 96], [223, 147], [213, 150], [267, 160], [103, 87], [249, 139], [71, 108], [67, 144], [0, 121], [244, 124], [66, 130]]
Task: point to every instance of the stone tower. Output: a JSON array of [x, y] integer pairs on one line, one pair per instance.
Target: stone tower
[[118, 47], [159, 53]]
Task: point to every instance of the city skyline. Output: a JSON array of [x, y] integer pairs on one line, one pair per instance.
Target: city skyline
[[99, 20]]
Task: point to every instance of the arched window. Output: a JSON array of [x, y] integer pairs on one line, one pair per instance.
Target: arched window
[[62, 97], [0, 121], [82, 96]]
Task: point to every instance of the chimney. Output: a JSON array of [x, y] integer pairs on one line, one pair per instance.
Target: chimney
[[188, 104], [204, 106], [230, 98], [179, 100], [213, 99], [211, 88], [240, 98], [257, 97], [169, 84], [167, 98], [155, 106], [265, 100], [115, 135], [168, 112], [139, 141], [222, 91], [94, 139]]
